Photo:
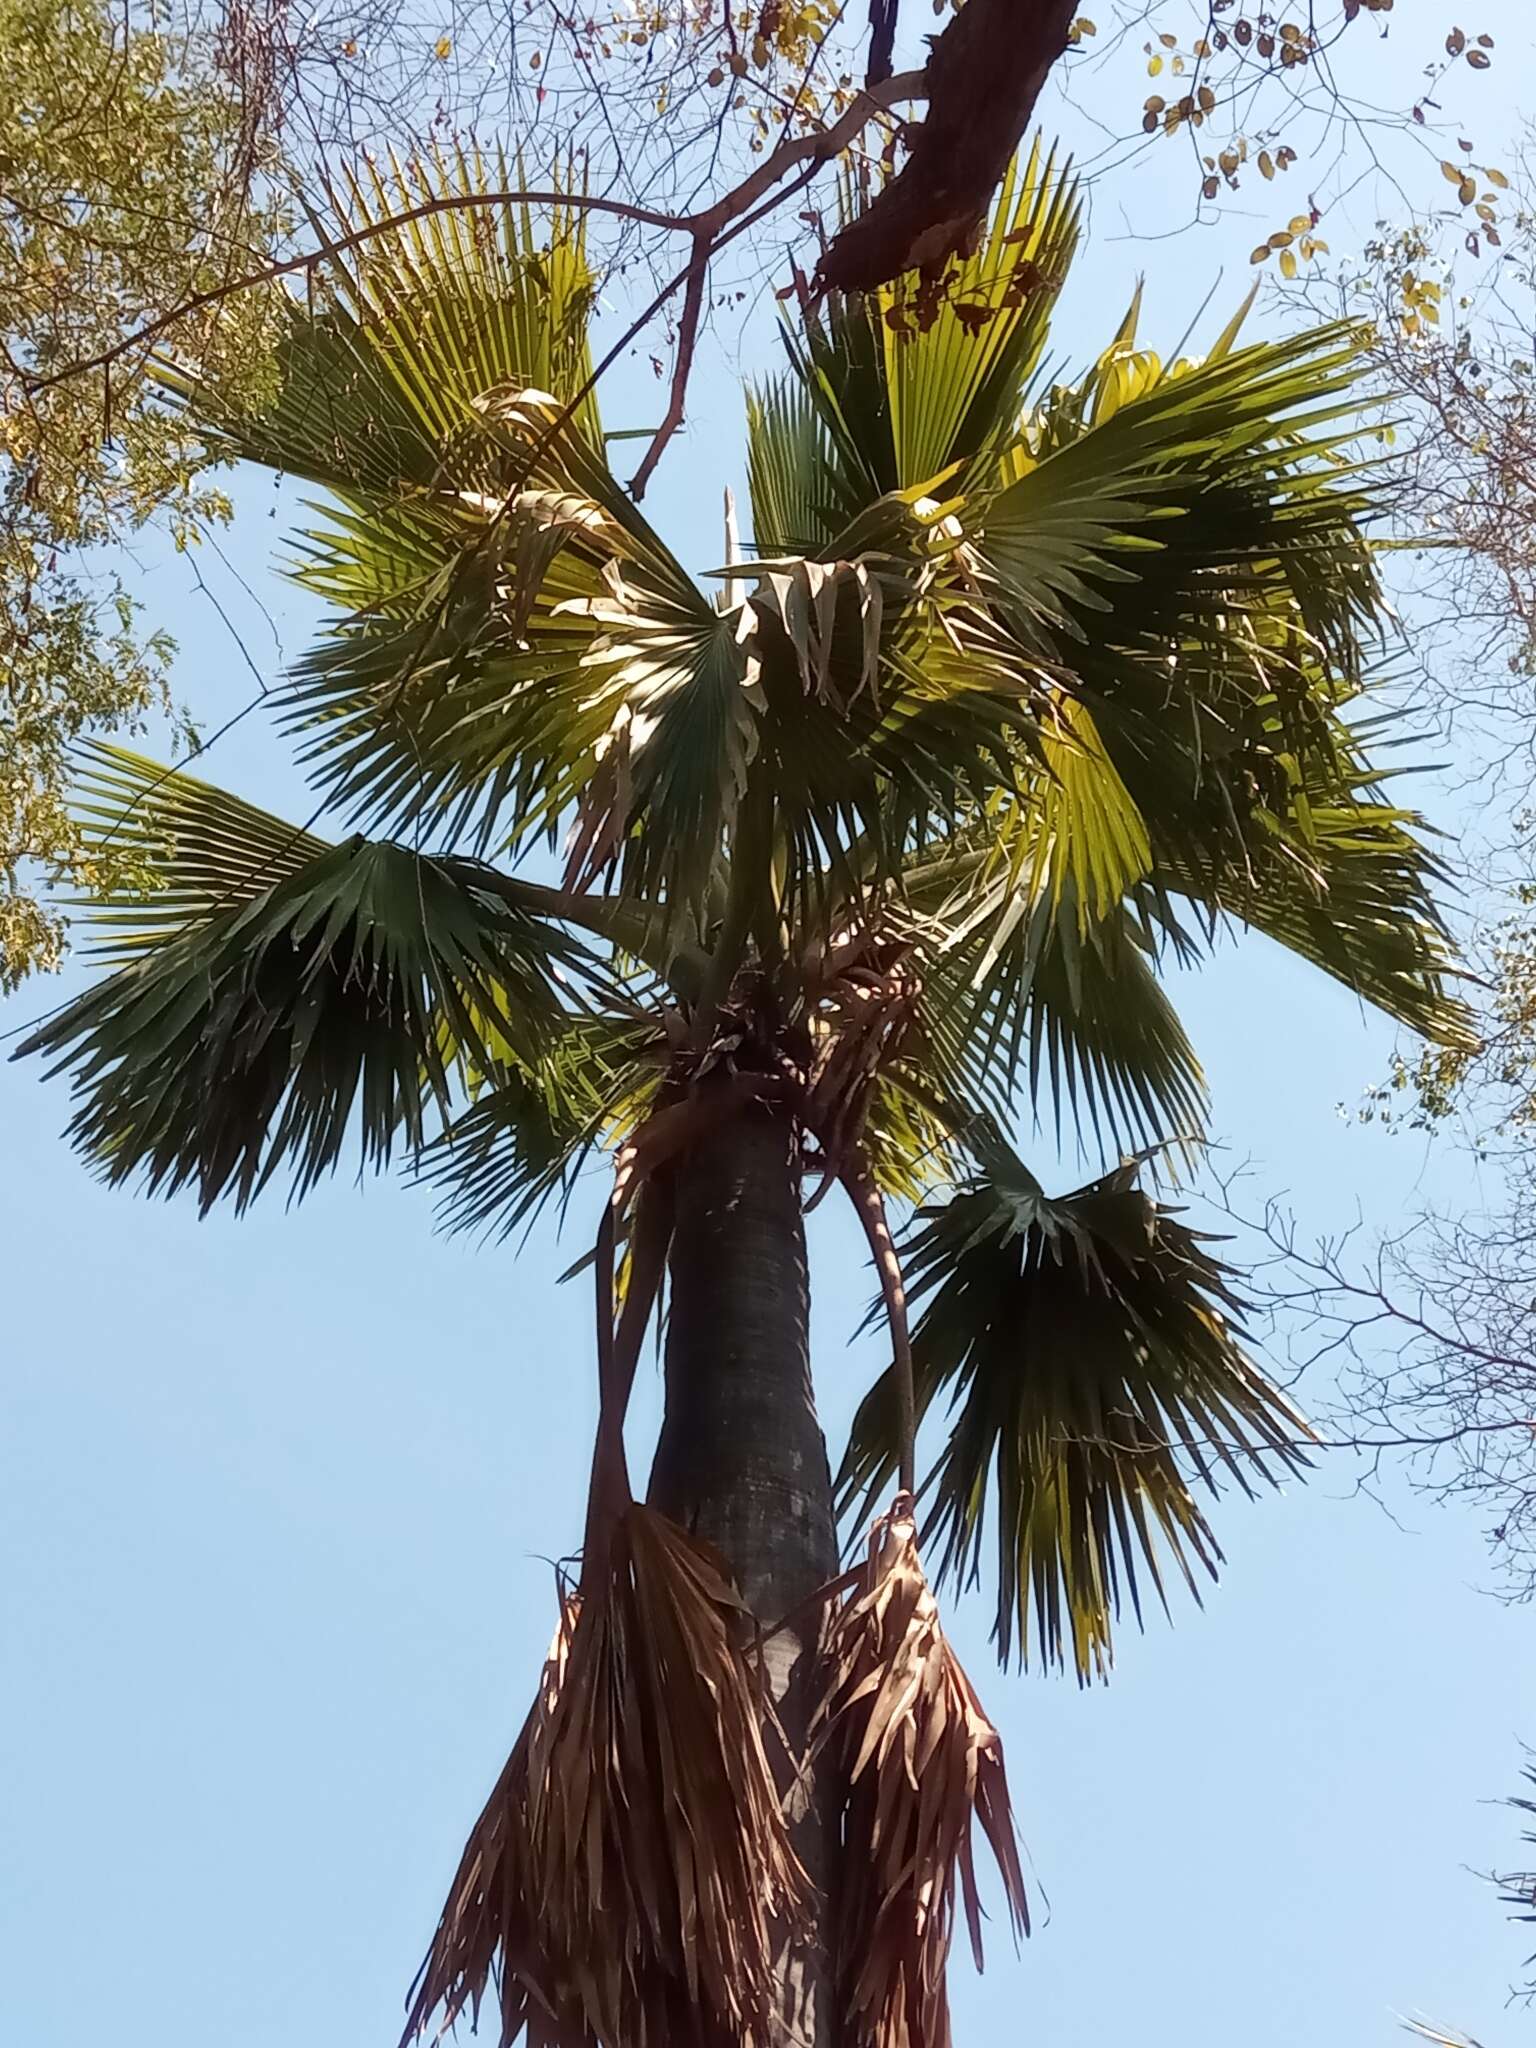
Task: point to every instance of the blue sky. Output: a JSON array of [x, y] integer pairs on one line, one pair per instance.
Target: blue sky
[[277, 1496]]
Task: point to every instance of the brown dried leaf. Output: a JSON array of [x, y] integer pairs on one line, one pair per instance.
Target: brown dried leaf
[[923, 1763], [631, 1879], [488, 1925]]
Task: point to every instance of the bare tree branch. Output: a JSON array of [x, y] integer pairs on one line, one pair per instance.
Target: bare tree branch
[[707, 229], [982, 81]]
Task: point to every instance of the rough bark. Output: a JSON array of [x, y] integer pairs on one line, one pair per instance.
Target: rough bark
[[741, 1459], [983, 77]]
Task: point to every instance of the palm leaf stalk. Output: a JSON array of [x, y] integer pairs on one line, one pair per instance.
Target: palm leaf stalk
[[873, 864]]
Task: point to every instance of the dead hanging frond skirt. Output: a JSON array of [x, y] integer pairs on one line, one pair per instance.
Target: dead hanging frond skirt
[[920, 1762], [631, 1880], [489, 1931]]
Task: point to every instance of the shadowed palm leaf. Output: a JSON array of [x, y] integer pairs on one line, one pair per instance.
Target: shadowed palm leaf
[[278, 992], [1088, 1347]]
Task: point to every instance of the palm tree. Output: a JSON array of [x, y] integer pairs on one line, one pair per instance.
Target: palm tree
[[1027, 688]]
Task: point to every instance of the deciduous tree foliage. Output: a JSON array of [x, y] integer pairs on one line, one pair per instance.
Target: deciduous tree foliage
[[128, 181]]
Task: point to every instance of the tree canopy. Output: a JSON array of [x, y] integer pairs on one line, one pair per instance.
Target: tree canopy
[[1026, 687], [151, 159]]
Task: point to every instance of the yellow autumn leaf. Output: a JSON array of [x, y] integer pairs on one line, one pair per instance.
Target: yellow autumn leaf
[[1287, 263], [443, 46]]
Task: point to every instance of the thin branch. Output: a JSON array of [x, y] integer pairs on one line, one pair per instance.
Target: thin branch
[[682, 366], [706, 228], [867, 1200], [310, 259]]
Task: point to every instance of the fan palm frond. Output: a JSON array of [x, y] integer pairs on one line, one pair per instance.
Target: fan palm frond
[[1090, 1347], [526, 1138], [278, 993], [378, 370], [892, 391], [1346, 882]]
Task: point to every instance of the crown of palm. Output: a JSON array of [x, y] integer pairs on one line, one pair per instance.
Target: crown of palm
[[1026, 687]]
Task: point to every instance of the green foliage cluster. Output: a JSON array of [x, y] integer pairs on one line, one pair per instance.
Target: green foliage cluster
[[132, 178], [1029, 687]]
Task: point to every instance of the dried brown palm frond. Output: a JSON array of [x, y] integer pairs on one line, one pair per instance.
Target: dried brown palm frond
[[489, 1931], [631, 1880], [660, 1851], [921, 1763]]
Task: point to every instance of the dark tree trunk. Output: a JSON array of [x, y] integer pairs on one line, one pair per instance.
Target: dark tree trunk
[[983, 75], [741, 1460]]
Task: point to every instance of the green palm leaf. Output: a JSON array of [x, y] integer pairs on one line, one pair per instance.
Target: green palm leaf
[[1345, 883], [888, 393], [1089, 1349], [527, 1138], [278, 994], [1232, 474], [501, 659], [375, 385], [1080, 1011], [197, 850], [1041, 957], [1186, 551]]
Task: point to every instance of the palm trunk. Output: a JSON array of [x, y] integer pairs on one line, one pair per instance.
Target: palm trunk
[[741, 1460]]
